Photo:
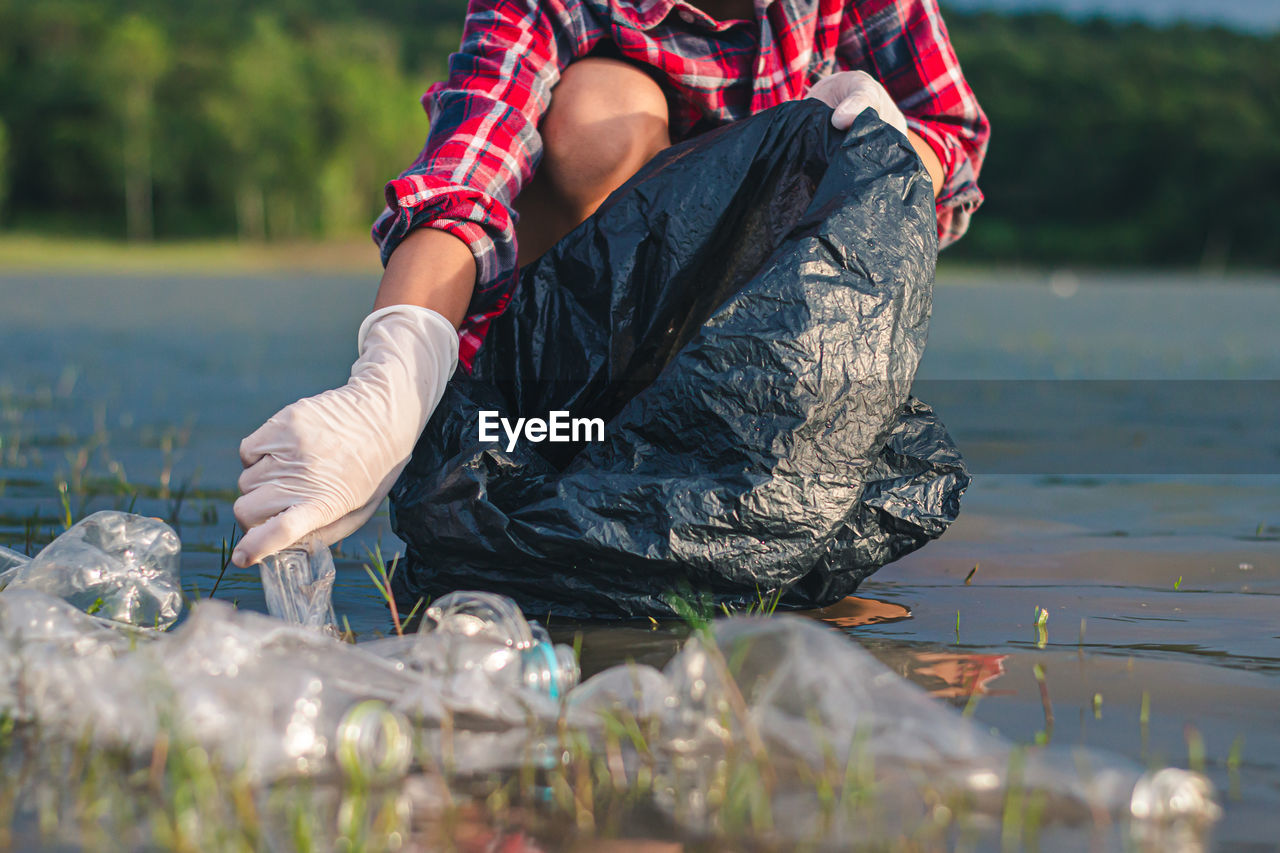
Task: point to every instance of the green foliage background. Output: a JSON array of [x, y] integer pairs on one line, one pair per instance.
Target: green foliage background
[[282, 119], [1120, 143]]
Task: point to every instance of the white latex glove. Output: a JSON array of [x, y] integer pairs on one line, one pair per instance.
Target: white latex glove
[[851, 92], [323, 464]]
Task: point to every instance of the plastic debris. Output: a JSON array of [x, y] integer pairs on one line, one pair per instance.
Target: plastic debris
[[10, 562], [482, 658], [115, 565], [11, 559], [277, 699], [270, 698], [802, 695], [486, 618], [298, 585], [771, 703]]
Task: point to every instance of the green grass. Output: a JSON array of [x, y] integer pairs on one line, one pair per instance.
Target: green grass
[[36, 253], [381, 574]]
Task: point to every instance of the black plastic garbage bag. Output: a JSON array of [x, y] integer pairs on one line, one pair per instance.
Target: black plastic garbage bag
[[746, 314]]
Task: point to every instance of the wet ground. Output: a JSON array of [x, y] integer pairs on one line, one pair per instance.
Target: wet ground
[[1122, 431]]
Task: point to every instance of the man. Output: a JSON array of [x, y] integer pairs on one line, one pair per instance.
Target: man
[[548, 108]]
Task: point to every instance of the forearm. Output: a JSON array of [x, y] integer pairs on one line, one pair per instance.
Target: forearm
[[946, 125], [367, 427], [932, 164], [433, 269]]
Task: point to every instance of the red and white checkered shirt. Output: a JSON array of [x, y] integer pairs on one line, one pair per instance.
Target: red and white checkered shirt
[[484, 144]]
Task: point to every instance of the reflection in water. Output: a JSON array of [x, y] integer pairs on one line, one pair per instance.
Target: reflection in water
[[950, 675], [622, 845], [947, 675], [853, 612], [472, 831]]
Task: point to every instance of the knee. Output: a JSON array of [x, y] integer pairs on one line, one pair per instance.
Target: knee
[[607, 119]]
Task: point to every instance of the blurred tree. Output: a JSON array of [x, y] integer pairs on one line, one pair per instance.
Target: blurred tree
[[1121, 143], [133, 57], [1113, 143], [370, 127], [267, 117], [4, 167]]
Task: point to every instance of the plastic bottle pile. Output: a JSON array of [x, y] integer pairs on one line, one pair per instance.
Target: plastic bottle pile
[[88, 643]]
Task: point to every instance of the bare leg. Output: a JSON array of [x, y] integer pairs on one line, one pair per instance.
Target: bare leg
[[607, 119]]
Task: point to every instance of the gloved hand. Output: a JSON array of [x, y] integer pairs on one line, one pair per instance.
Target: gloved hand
[[851, 92], [323, 464]]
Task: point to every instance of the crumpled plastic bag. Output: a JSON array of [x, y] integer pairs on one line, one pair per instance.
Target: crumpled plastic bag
[[114, 565], [746, 315]]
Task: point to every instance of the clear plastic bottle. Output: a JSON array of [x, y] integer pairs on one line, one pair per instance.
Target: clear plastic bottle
[[373, 742], [11, 559], [486, 633], [806, 695], [114, 565], [298, 586], [10, 562]]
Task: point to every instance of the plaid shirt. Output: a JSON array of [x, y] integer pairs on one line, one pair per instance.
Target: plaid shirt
[[484, 144]]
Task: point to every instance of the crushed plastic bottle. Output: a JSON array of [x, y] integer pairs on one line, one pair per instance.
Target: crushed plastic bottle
[[478, 614], [115, 565], [280, 699], [635, 689], [481, 657], [298, 585], [374, 743], [46, 641], [488, 618], [10, 562], [803, 695], [11, 559], [276, 700]]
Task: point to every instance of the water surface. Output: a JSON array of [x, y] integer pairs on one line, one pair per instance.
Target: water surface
[[1121, 429]]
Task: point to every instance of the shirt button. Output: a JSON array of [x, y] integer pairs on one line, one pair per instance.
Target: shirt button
[[686, 16]]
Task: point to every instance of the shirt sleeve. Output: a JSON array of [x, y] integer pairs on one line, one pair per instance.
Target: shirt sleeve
[[482, 148], [905, 45]]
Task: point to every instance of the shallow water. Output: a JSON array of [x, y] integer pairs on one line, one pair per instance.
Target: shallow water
[[1121, 429]]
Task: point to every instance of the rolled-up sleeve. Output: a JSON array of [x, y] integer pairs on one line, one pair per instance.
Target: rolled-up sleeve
[[482, 147], [905, 45]]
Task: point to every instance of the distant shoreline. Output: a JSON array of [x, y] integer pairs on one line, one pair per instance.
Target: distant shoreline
[[25, 254], [1241, 15], [36, 253]]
